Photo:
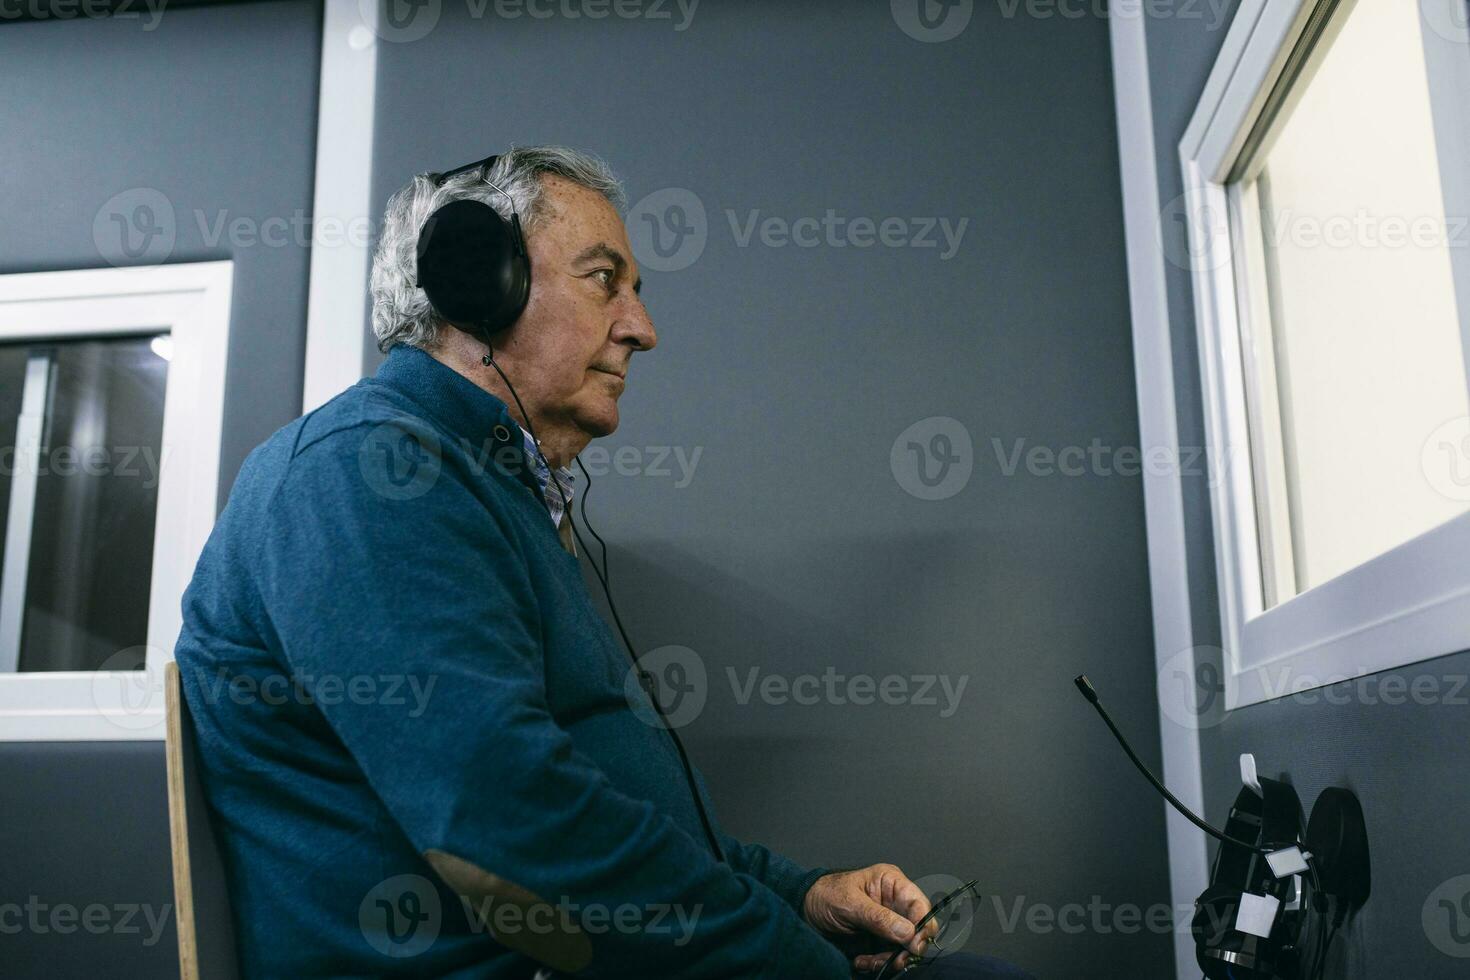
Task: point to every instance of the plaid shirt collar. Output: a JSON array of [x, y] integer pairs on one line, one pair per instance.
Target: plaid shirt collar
[[565, 478]]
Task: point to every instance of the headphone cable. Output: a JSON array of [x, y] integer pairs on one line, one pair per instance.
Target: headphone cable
[[489, 360], [606, 575]]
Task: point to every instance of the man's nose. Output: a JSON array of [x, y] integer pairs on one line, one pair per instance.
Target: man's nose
[[635, 327]]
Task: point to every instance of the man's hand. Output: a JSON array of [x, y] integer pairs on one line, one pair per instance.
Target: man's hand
[[880, 901]]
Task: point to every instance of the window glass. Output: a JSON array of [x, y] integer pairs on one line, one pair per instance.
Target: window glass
[[12, 380], [86, 581], [1353, 344]]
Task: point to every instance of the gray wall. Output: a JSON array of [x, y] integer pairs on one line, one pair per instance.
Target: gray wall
[[793, 370], [215, 109], [1406, 761]]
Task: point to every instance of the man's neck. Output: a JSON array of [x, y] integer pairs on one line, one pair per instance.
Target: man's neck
[[457, 350]]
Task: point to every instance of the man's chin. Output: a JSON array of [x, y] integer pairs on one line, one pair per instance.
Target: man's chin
[[599, 424]]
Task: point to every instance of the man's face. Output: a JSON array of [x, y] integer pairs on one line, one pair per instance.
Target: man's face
[[568, 354]]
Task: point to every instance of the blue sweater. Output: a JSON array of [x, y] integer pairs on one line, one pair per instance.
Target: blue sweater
[[414, 731]]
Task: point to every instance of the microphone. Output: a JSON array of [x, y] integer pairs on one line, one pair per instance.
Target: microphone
[[1090, 693]]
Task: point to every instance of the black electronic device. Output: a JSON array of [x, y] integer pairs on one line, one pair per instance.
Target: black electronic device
[[1273, 889]]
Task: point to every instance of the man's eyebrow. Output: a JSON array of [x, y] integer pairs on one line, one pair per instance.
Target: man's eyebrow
[[602, 250]]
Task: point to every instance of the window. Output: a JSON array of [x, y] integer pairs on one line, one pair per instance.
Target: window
[[111, 397], [88, 426], [1327, 174]]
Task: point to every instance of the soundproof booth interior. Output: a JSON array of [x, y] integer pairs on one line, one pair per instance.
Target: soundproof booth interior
[[541, 489]]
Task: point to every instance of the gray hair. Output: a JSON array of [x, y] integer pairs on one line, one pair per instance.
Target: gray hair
[[401, 311]]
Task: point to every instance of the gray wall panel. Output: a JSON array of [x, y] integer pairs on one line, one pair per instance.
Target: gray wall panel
[[212, 115], [82, 825], [794, 549]]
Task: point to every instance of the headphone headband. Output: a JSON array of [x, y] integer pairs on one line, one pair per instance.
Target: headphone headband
[[484, 166]]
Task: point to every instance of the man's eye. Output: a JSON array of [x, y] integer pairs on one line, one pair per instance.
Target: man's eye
[[606, 276]]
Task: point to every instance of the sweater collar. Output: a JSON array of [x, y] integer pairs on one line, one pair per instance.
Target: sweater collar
[[473, 415]]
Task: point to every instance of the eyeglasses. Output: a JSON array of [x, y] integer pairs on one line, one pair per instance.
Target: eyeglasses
[[952, 916]]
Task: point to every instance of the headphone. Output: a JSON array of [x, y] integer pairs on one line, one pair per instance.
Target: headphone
[[1250, 923], [1229, 941], [472, 262], [474, 268]]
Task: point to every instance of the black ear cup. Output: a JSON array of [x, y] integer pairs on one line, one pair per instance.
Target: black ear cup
[[1222, 952], [1337, 835], [1213, 926], [472, 265]]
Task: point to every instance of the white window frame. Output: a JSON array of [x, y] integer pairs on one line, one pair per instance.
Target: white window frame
[[190, 302], [337, 304], [1407, 605]]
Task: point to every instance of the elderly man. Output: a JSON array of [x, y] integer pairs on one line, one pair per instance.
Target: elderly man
[[415, 731]]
